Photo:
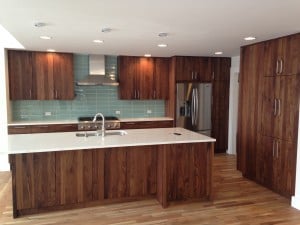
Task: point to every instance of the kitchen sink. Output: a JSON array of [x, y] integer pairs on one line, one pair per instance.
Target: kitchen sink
[[107, 133]]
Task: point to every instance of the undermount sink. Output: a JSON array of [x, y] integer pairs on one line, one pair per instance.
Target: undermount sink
[[107, 133]]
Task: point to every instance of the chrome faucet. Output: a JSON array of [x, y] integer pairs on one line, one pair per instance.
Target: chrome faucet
[[103, 124]]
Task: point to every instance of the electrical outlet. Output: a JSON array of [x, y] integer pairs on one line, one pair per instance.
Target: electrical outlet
[[48, 114], [118, 112], [149, 111]]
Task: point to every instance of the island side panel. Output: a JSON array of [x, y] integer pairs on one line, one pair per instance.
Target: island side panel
[[141, 171], [210, 160], [184, 172]]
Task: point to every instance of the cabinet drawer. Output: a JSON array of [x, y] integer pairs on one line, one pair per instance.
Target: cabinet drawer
[[146, 124], [19, 129], [46, 128]]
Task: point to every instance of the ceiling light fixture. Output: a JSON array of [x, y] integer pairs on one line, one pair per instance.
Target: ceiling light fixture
[[163, 34], [98, 41], [147, 55], [162, 45], [106, 30], [249, 38], [45, 37], [50, 50], [39, 24], [218, 53]]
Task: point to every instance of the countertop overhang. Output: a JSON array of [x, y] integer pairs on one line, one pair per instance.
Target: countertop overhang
[[49, 142]]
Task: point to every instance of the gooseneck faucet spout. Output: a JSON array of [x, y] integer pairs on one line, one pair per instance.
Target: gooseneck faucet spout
[[103, 123]]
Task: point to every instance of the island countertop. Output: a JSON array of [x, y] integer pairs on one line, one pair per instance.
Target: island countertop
[[49, 142]]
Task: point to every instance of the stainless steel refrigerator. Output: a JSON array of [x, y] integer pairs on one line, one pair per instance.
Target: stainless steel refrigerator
[[193, 107]]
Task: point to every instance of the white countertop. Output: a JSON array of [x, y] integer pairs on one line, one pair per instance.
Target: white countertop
[[48, 142], [43, 122]]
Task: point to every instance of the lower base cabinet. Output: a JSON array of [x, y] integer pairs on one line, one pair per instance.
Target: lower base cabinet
[[79, 178], [276, 165]]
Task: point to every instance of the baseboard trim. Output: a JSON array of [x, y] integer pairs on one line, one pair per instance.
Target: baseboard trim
[[296, 202]]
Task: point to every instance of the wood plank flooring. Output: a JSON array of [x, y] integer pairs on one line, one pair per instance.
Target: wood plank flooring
[[237, 201]]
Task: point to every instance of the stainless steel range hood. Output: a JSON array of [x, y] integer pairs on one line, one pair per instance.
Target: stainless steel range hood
[[96, 76]]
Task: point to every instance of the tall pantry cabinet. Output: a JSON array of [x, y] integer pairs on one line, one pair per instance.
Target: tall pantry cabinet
[[268, 113]]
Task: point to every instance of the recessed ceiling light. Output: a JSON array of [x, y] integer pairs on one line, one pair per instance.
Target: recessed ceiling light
[[45, 37], [218, 53], [98, 41], [39, 24], [106, 30], [163, 34], [249, 38], [147, 55], [162, 45], [50, 50]]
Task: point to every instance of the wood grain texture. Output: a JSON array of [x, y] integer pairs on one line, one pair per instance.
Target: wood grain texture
[[22, 84], [237, 201], [161, 78], [146, 124]]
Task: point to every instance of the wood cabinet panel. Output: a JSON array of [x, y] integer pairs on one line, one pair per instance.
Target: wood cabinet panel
[[143, 78], [195, 69], [43, 68], [63, 76], [115, 173], [47, 128], [141, 171], [184, 172], [249, 97], [30, 188], [41, 75], [146, 124], [22, 84], [282, 56], [161, 78]]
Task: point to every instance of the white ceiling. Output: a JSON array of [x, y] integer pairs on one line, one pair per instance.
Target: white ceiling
[[195, 27]]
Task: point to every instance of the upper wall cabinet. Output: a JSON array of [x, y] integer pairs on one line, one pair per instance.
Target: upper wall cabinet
[[194, 69], [22, 85], [143, 78], [282, 56], [40, 75]]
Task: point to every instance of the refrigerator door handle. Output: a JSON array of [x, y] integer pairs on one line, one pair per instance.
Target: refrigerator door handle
[[193, 107], [196, 106]]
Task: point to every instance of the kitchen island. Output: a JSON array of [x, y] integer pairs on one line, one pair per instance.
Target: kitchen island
[[53, 171]]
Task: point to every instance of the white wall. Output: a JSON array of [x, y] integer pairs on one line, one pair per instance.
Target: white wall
[[4, 166], [296, 197], [233, 104]]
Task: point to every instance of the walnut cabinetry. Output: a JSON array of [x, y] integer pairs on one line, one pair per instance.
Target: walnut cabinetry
[[45, 128], [72, 179], [195, 69], [147, 124], [40, 75], [268, 113], [220, 103], [143, 78]]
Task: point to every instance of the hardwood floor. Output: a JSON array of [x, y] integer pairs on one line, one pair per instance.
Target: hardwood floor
[[236, 201]]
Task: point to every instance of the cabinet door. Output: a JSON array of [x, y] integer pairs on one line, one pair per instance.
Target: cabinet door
[[43, 70], [291, 55], [161, 78], [221, 68], [182, 69], [202, 69], [63, 76], [127, 76], [284, 168], [271, 51], [21, 78], [264, 161], [288, 107], [144, 78]]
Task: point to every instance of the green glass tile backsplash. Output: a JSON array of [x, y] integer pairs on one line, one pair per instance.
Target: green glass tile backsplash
[[89, 100]]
